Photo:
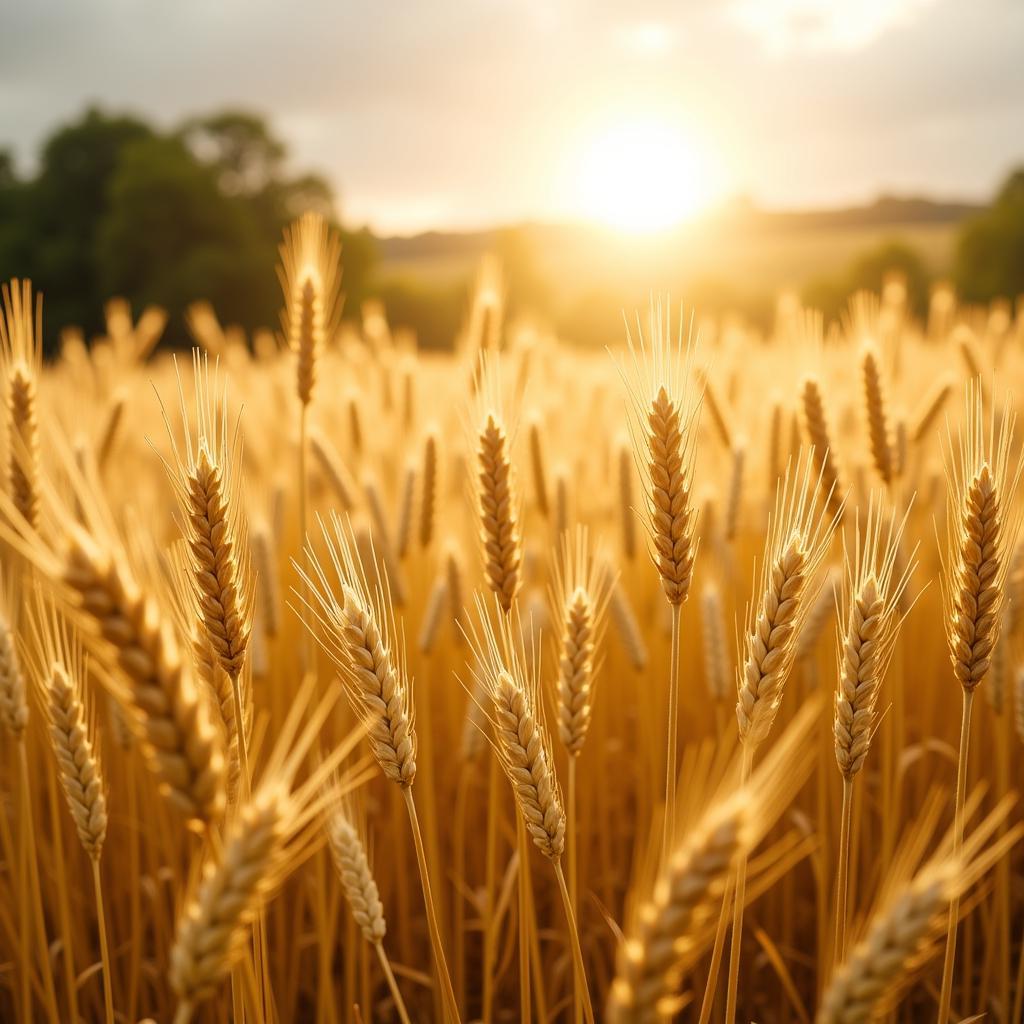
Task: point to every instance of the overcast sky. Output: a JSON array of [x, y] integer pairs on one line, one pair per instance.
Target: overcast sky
[[464, 112]]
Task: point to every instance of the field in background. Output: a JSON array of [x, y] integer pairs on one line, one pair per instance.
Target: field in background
[[578, 278]]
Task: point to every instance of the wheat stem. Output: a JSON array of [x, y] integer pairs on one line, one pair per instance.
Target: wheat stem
[[440, 965], [946, 995], [101, 925], [389, 975], [570, 852], [671, 756], [842, 874], [574, 938], [740, 898], [522, 849]]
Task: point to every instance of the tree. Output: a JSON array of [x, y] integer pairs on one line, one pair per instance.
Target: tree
[[989, 260], [119, 207], [171, 236]]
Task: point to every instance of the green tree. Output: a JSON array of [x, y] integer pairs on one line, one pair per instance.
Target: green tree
[[989, 260], [162, 217], [59, 213], [171, 236]]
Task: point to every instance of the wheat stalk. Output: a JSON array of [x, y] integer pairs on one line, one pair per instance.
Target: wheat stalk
[[931, 406], [334, 469]]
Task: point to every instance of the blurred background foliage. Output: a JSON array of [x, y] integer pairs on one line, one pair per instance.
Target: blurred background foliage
[[117, 206]]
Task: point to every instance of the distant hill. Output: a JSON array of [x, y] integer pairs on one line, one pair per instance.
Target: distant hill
[[737, 217]]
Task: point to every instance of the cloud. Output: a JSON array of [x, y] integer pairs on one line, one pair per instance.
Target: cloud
[[465, 109]]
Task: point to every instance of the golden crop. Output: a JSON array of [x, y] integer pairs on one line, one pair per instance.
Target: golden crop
[[519, 683]]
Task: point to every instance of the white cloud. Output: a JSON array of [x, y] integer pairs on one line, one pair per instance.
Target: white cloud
[[785, 26]]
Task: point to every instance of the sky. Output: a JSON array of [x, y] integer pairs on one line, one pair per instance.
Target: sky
[[463, 113]]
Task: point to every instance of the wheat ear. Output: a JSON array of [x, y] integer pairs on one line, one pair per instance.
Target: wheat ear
[[875, 584], [404, 526], [205, 475], [348, 851], [982, 528], [357, 631], [816, 427], [13, 692], [357, 882], [901, 933], [797, 543], [664, 926], [428, 490], [78, 765], [580, 593], [21, 352], [272, 831], [716, 658], [876, 409], [310, 275], [496, 501]]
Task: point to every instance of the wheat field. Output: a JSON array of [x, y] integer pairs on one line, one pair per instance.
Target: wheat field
[[525, 682]]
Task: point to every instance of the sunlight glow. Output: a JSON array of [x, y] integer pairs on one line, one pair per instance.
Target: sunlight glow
[[641, 175]]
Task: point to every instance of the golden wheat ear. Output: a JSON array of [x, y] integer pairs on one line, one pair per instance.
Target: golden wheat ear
[[268, 835], [204, 471], [13, 690], [663, 426], [310, 276], [869, 622], [681, 892], [495, 494], [354, 624], [59, 670], [21, 357], [580, 590], [902, 932], [982, 525], [508, 676], [799, 537], [125, 625]]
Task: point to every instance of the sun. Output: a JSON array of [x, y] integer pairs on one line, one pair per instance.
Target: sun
[[641, 175]]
